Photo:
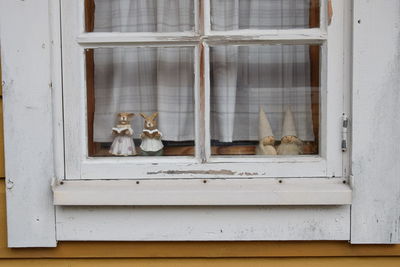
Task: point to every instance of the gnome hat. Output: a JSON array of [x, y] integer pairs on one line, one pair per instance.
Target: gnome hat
[[289, 127], [264, 128]]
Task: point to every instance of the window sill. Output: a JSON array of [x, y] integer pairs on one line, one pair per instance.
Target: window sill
[[199, 192]]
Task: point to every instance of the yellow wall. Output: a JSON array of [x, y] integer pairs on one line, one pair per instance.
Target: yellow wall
[[193, 254]]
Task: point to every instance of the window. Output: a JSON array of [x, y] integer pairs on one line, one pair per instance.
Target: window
[[221, 76], [221, 85]]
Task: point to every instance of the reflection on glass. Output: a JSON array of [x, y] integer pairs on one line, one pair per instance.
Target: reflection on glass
[[227, 15], [141, 101], [140, 15], [265, 100]]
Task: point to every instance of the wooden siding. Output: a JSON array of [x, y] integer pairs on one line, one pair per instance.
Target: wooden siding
[[224, 253], [310, 262]]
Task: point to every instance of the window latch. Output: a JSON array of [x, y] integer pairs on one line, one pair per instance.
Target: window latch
[[345, 125]]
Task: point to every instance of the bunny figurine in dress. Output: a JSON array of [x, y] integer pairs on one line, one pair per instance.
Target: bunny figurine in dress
[[151, 137], [123, 144]]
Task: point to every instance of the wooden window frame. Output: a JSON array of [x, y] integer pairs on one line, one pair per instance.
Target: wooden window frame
[[330, 166]]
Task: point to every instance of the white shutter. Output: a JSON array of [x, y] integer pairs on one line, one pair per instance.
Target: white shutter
[[376, 122], [28, 121]]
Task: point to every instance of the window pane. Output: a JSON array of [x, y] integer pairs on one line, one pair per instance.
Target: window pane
[[140, 15], [227, 15], [261, 91], [141, 80]]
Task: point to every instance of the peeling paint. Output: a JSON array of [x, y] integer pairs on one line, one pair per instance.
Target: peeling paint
[[10, 183], [208, 172]]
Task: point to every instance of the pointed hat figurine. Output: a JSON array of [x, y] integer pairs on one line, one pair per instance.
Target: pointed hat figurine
[[265, 135], [264, 127], [289, 128], [290, 143]]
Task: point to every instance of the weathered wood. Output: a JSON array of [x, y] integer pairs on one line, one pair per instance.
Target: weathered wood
[[376, 122], [203, 223], [209, 262], [187, 249], [233, 192], [27, 91]]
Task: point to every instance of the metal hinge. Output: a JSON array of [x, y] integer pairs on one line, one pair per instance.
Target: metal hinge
[[345, 126]]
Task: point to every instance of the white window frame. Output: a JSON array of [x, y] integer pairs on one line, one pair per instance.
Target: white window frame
[[329, 164]]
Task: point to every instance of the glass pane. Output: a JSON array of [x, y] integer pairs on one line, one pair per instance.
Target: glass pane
[[140, 15], [157, 82], [265, 99], [228, 15]]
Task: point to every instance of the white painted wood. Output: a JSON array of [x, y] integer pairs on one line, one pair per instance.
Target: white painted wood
[[293, 35], [102, 39], [57, 94], [376, 122], [333, 88], [74, 88], [203, 223], [106, 168], [207, 17], [323, 14], [29, 88], [207, 103], [220, 192], [348, 79], [196, 12], [113, 39], [197, 100]]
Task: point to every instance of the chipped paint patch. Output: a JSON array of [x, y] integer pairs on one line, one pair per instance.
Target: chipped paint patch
[[205, 172]]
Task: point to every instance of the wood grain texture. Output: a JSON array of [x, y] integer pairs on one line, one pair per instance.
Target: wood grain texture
[[90, 93], [203, 223], [376, 122], [28, 121], [261, 262]]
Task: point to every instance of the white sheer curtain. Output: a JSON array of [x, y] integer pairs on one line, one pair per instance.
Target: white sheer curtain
[[145, 79], [242, 78]]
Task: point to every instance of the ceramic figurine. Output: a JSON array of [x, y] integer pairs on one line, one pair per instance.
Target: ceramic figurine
[[151, 137], [123, 144], [265, 135], [290, 143]]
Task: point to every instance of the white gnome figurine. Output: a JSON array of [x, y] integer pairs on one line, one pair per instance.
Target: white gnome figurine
[[265, 135], [290, 143], [123, 144], [151, 137]]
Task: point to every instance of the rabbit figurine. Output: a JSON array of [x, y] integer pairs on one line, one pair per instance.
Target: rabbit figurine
[[151, 137], [123, 143]]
